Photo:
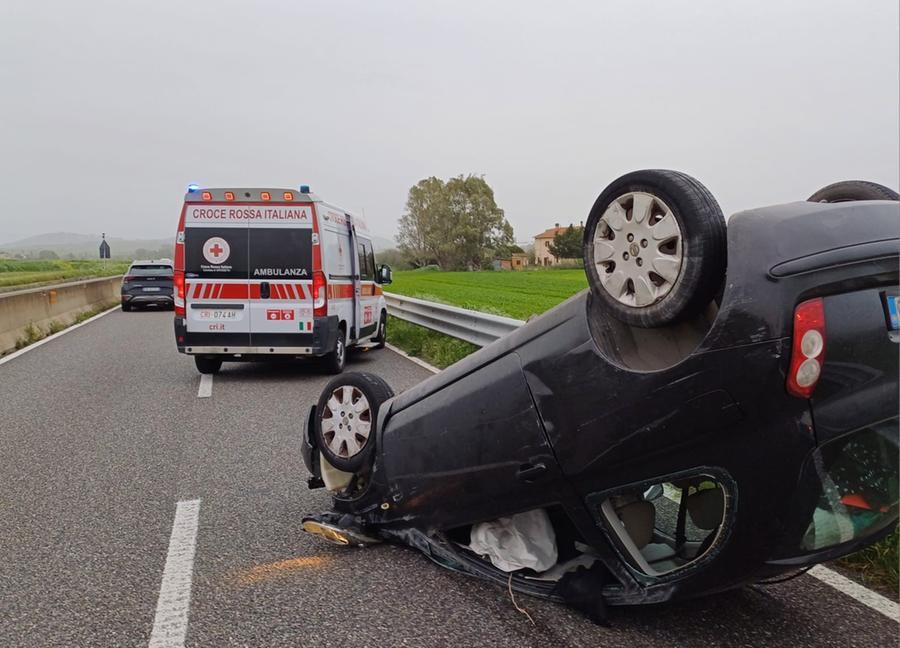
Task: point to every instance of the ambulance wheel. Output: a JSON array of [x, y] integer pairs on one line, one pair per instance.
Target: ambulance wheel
[[346, 417], [655, 248], [207, 365], [381, 338], [334, 361]]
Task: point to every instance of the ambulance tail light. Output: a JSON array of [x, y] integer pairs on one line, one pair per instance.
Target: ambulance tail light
[[178, 281], [320, 294], [808, 348]]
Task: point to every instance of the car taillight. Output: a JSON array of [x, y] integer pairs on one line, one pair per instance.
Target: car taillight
[[178, 282], [808, 348], [320, 296], [127, 279]]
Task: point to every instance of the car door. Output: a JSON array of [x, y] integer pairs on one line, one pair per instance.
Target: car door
[[368, 317], [281, 308], [216, 273]]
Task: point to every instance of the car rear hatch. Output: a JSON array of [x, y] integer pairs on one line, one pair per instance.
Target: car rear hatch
[[845, 360], [854, 470], [148, 281]]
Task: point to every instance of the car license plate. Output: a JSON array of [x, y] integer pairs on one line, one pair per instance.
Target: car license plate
[[148, 289], [892, 310], [218, 314]]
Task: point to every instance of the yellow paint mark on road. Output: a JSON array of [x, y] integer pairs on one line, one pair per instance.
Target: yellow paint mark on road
[[281, 569]]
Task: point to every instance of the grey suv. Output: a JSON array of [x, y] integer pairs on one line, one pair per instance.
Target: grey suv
[[148, 283]]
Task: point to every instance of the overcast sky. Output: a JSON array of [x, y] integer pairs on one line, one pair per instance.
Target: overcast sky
[[109, 109]]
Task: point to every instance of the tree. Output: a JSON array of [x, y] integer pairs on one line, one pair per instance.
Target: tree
[[567, 244], [47, 254], [456, 224]]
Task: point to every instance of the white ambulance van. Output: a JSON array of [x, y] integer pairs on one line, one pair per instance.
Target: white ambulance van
[[274, 272]]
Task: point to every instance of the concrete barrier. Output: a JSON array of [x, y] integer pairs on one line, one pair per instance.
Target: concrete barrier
[[62, 303]]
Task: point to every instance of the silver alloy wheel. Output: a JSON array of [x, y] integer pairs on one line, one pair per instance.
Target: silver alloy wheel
[[638, 249], [346, 421]]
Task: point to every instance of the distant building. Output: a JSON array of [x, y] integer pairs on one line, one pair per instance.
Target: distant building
[[519, 260], [542, 241]]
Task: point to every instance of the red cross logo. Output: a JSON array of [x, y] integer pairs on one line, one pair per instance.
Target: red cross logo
[[216, 250]]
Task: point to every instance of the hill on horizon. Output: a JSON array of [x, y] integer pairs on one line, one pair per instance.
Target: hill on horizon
[[87, 245]]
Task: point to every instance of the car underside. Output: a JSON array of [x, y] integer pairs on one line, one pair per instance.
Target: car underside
[[667, 433]]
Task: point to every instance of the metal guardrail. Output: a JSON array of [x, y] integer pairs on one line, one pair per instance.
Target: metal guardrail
[[472, 326]]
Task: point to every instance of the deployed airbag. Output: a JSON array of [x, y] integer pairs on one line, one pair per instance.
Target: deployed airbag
[[524, 540]]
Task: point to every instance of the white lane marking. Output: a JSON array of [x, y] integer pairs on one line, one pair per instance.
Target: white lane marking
[[205, 389], [170, 623], [421, 363], [35, 345], [876, 601]]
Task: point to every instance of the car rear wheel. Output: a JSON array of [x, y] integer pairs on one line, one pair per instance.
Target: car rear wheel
[[207, 365], [655, 247], [126, 307], [381, 338], [850, 190], [334, 362], [346, 417]]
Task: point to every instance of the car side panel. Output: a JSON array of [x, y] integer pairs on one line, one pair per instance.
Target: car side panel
[[453, 458]]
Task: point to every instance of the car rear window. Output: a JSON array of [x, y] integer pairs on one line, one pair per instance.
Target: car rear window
[[151, 271]]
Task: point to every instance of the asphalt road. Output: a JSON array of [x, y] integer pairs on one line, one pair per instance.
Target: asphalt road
[[102, 434]]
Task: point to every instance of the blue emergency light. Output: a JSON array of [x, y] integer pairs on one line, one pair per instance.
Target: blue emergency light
[[193, 187], [304, 188]]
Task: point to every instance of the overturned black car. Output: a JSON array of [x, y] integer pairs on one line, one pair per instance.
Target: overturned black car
[[676, 430]]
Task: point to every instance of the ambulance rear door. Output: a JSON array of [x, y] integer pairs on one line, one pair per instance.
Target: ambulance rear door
[[215, 276], [280, 268]]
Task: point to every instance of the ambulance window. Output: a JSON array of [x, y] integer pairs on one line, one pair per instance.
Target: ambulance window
[[370, 259], [366, 262]]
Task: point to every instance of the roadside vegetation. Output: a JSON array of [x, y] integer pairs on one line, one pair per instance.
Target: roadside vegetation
[[531, 292], [15, 273], [34, 333], [878, 565], [432, 347], [513, 294]]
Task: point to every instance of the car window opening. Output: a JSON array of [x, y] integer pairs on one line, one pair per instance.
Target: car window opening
[[150, 271], [540, 544], [668, 525]]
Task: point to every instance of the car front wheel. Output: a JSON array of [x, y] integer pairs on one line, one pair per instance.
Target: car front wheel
[[346, 417]]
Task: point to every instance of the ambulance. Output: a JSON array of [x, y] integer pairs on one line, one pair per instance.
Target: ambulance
[[265, 273]]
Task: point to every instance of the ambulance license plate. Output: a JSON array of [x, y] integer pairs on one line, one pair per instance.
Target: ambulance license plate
[[218, 314]]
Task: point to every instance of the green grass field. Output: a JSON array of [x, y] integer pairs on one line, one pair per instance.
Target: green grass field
[[514, 294], [21, 274]]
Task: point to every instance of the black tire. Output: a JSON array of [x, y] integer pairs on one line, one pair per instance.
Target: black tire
[[850, 190], [703, 248], [126, 308], [207, 365], [381, 339], [376, 392], [334, 361]]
